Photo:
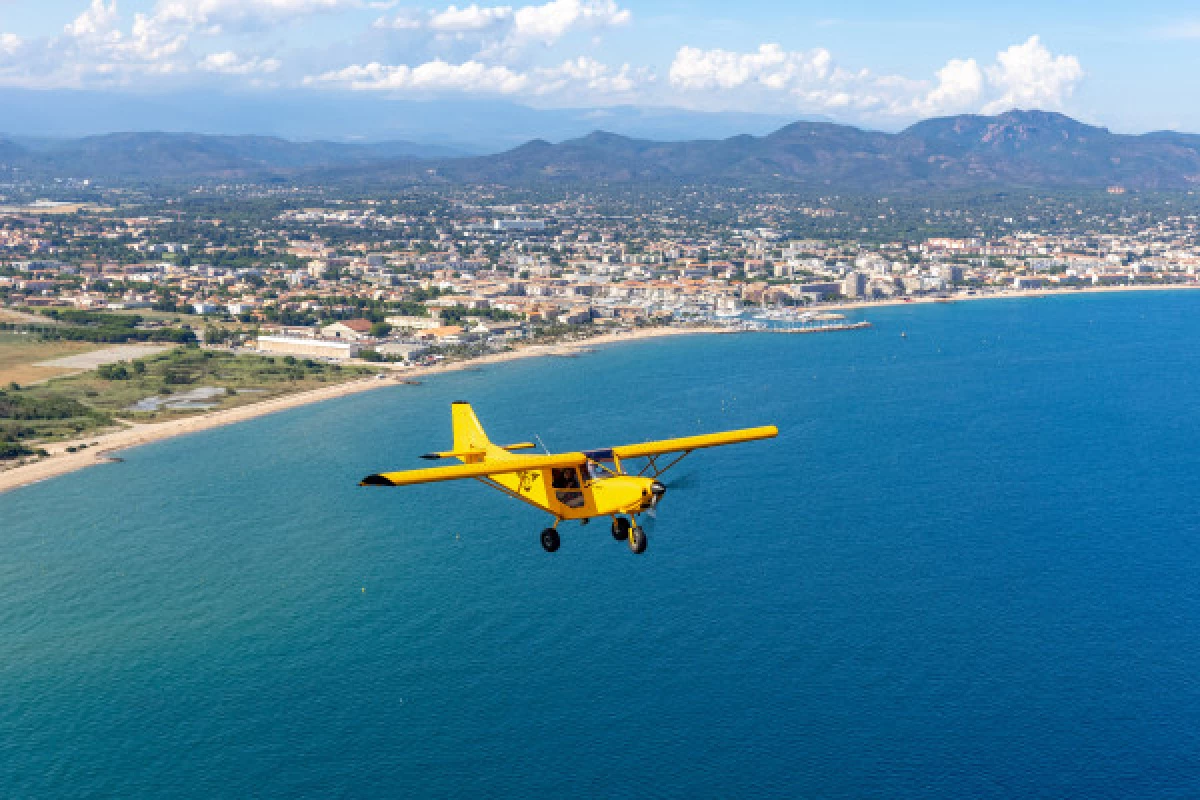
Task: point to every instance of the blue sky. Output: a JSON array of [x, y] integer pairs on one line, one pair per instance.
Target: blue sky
[[1128, 66]]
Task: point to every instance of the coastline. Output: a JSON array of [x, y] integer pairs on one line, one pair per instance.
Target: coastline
[[102, 447], [1006, 294]]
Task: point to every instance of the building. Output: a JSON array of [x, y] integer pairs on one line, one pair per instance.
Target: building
[[518, 225], [352, 329], [854, 284], [307, 348], [408, 351]]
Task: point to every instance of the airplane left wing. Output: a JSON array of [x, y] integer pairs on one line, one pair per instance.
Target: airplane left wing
[[478, 470], [689, 443]]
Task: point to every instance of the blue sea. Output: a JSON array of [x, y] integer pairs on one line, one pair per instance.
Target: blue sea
[[968, 567]]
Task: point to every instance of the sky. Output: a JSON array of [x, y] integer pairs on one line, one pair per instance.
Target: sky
[[1128, 66]]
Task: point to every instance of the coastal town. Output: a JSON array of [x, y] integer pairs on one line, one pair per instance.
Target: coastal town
[[405, 281], [104, 302]]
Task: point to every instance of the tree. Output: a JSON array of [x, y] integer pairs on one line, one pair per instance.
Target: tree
[[380, 329]]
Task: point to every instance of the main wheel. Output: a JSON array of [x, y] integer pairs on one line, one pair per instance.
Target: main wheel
[[637, 540], [550, 540], [620, 528]]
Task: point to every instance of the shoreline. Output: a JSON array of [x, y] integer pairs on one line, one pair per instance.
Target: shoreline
[[101, 447], [1006, 294], [60, 462]]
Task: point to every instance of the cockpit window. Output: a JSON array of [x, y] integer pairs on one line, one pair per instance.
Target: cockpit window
[[565, 478], [565, 481]]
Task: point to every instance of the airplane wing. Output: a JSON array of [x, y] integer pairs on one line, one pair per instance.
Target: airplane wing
[[689, 443], [478, 470]]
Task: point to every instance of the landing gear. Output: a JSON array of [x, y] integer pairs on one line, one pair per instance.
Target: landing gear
[[620, 528], [550, 540], [637, 540]]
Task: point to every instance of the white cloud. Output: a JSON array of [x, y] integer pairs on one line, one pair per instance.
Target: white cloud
[[230, 63], [10, 44], [960, 84], [96, 20], [469, 18], [432, 76], [1029, 76], [577, 77], [501, 31], [219, 13], [550, 22], [585, 73], [770, 66]]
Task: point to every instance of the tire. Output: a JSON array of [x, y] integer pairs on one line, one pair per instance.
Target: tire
[[550, 540], [637, 540], [620, 529]]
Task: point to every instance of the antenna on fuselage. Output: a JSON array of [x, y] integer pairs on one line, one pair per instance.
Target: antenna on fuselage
[[543, 444]]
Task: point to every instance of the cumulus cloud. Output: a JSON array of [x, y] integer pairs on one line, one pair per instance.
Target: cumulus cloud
[[1029, 76], [470, 18], [1026, 75], [432, 76], [573, 76], [503, 30], [230, 63], [10, 44], [585, 73], [216, 14], [99, 47], [770, 66]]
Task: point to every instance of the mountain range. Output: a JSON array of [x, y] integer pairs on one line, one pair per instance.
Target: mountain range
[[1026, 149]]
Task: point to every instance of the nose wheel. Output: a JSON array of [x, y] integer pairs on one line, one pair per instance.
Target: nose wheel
[[637, 540]]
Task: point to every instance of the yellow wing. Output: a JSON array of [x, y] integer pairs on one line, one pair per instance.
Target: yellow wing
[[477, 470], [688, 443]]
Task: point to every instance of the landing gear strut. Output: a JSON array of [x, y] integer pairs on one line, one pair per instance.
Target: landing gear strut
[[620, 528], [550, 540]]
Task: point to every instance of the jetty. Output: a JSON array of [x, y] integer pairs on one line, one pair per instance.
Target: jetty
[[818, 327]]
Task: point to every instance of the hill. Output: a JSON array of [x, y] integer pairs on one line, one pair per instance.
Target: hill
[[1019, 148], [1027, 149]]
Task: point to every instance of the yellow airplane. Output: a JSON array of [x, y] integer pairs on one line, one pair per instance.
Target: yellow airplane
[[582, 486]]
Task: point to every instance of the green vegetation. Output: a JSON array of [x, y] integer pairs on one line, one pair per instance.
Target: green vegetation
[[41, 414], [64, 408], [93, 326]]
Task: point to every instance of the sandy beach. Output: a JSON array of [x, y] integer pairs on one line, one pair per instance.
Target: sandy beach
[[101, 447]]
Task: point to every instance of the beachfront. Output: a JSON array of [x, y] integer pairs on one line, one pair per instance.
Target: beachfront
[[66, 456], [99, 448]]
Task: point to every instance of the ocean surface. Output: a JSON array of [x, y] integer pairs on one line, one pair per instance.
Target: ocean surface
[[968, 567]]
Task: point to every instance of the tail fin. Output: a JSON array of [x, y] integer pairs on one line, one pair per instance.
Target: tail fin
[[468, 433]]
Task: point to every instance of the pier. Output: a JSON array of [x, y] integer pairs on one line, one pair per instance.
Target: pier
[[828, 327]]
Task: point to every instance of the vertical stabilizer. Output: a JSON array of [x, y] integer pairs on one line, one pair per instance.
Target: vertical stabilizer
[[468, 433]]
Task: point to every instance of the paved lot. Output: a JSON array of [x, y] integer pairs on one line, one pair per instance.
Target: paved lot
[[109, 355]]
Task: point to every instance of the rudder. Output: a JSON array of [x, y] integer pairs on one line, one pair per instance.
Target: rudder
[[468, 433]]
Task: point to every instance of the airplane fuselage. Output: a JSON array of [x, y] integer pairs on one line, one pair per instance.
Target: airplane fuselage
[[598, 497]]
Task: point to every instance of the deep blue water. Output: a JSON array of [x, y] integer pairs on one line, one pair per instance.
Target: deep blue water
[[968, 567]]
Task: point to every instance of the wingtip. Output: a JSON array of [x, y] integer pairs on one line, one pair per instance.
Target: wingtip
[[376, 480]]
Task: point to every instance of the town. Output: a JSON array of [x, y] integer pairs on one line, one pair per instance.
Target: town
[[430, 275]]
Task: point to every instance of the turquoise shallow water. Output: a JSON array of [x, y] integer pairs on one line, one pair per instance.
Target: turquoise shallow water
[[969, 566]]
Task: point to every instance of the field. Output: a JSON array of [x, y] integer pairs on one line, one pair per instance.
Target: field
[[19, 353], [166, 385]]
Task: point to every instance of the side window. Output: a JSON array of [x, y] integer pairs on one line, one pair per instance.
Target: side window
[[564, 478], [566, 485]]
